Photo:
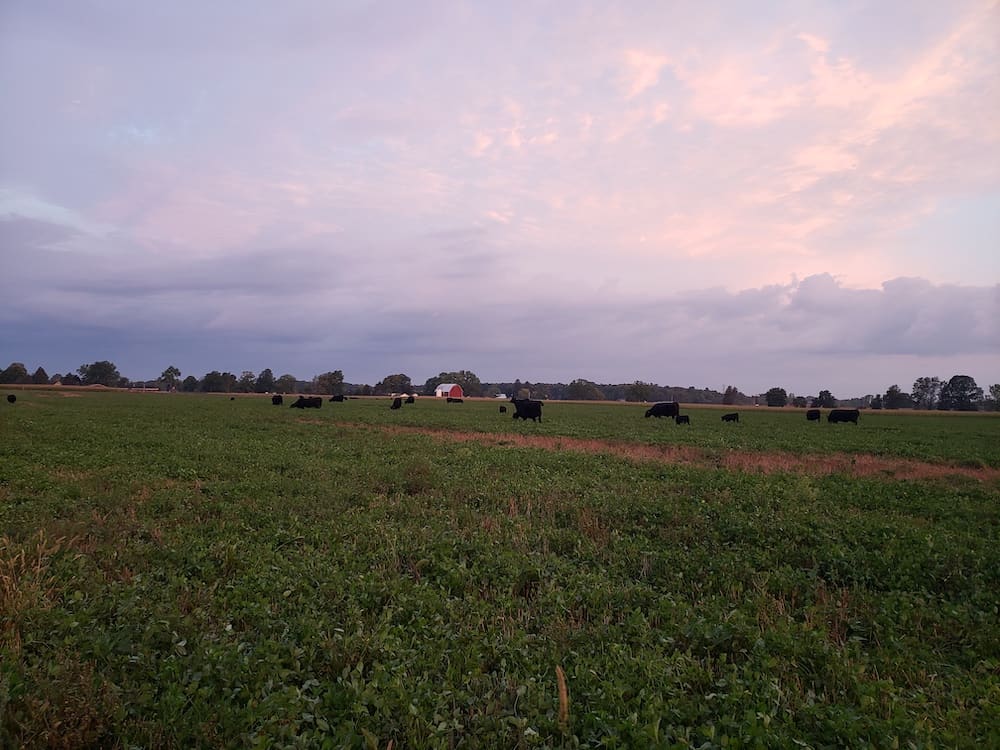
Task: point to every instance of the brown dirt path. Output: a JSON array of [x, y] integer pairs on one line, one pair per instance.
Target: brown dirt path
[[813, 464]]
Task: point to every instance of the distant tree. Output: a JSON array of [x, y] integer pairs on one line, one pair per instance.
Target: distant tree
[[638, 391], [331, 383], [190, 384], [57, 378], [100, 373], [265, 381], [40, 377], [471, 385], [729, 397], [776, 397], [71, 379], [876, 402], [961, 394], [824, 400], [15, 373], [399, 383], [213, 382], [895, 398], [995, 397], [799, 402], [247, 382], [285, 384], [169, 378], [578, 390], [366, 390], [926, 392]]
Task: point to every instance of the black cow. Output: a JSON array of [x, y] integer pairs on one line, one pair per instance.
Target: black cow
[[455, 400], [503, 409], [813, 415], [525, 408], [410, 400], [339, 398], [843, 415], [664, 409], [308, 402], [682, 419], [277, 399], [397, 403], [734, 417], [232, 398], [11, 398]]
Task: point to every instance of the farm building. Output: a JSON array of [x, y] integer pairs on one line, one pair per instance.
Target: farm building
[[449, 390]]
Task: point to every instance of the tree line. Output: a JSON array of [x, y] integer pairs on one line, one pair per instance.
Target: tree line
[[958, 393]]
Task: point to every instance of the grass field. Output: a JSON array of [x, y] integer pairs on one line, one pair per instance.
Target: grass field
[[190, 571]]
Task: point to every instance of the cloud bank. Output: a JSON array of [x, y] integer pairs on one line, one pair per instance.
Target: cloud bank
[[611, 191]]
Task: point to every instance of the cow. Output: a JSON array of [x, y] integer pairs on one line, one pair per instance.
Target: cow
[[232, 398], [734, 417], [813, 415], [308, 402], [410, 400], [455, 400], [503, 409], [11, 398], [339, 398], [525, 408], [843, 415], [397, 403], [664, 409], [277, 399], [682, 419]]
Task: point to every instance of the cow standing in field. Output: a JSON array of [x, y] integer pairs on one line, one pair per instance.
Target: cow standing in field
[[503, 409], [734, 417], [682, 419], [664, 409], [11, 398], [455, 400], [843, 415], [339, 398], [813, 415], [277, 399], [308, 402], [410, 400], [525, 408], [397, 403]]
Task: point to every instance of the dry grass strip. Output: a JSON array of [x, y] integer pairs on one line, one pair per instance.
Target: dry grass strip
[[813, 464]]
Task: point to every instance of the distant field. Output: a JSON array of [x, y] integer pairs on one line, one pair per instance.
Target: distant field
[[190, 571]]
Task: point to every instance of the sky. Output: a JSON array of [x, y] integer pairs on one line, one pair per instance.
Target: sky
[[795, 194]]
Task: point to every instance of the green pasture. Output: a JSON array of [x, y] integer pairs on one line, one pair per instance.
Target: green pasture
[[188, 571]]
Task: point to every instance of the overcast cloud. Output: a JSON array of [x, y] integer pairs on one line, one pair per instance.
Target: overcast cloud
[[796, 194]]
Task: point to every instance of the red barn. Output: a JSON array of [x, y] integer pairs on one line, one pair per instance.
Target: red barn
[[449, 390]]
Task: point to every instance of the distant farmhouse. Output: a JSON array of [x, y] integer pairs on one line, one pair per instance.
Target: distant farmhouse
[[449, 390]]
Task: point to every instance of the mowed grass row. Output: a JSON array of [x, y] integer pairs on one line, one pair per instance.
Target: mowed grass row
[[191, 571]]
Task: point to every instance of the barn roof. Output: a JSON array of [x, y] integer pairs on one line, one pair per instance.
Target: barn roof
[[446, 386]]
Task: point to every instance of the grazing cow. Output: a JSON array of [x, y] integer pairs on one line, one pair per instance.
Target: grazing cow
[[664, 409], [339, 398], [682, 419], [525, 408], [397, 403], [455, 400], [734, 417], [813, 415], [232, 398], [11, 398], [503, 409], [843, 415], [308, 402], [410, 400], [277, 399]]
